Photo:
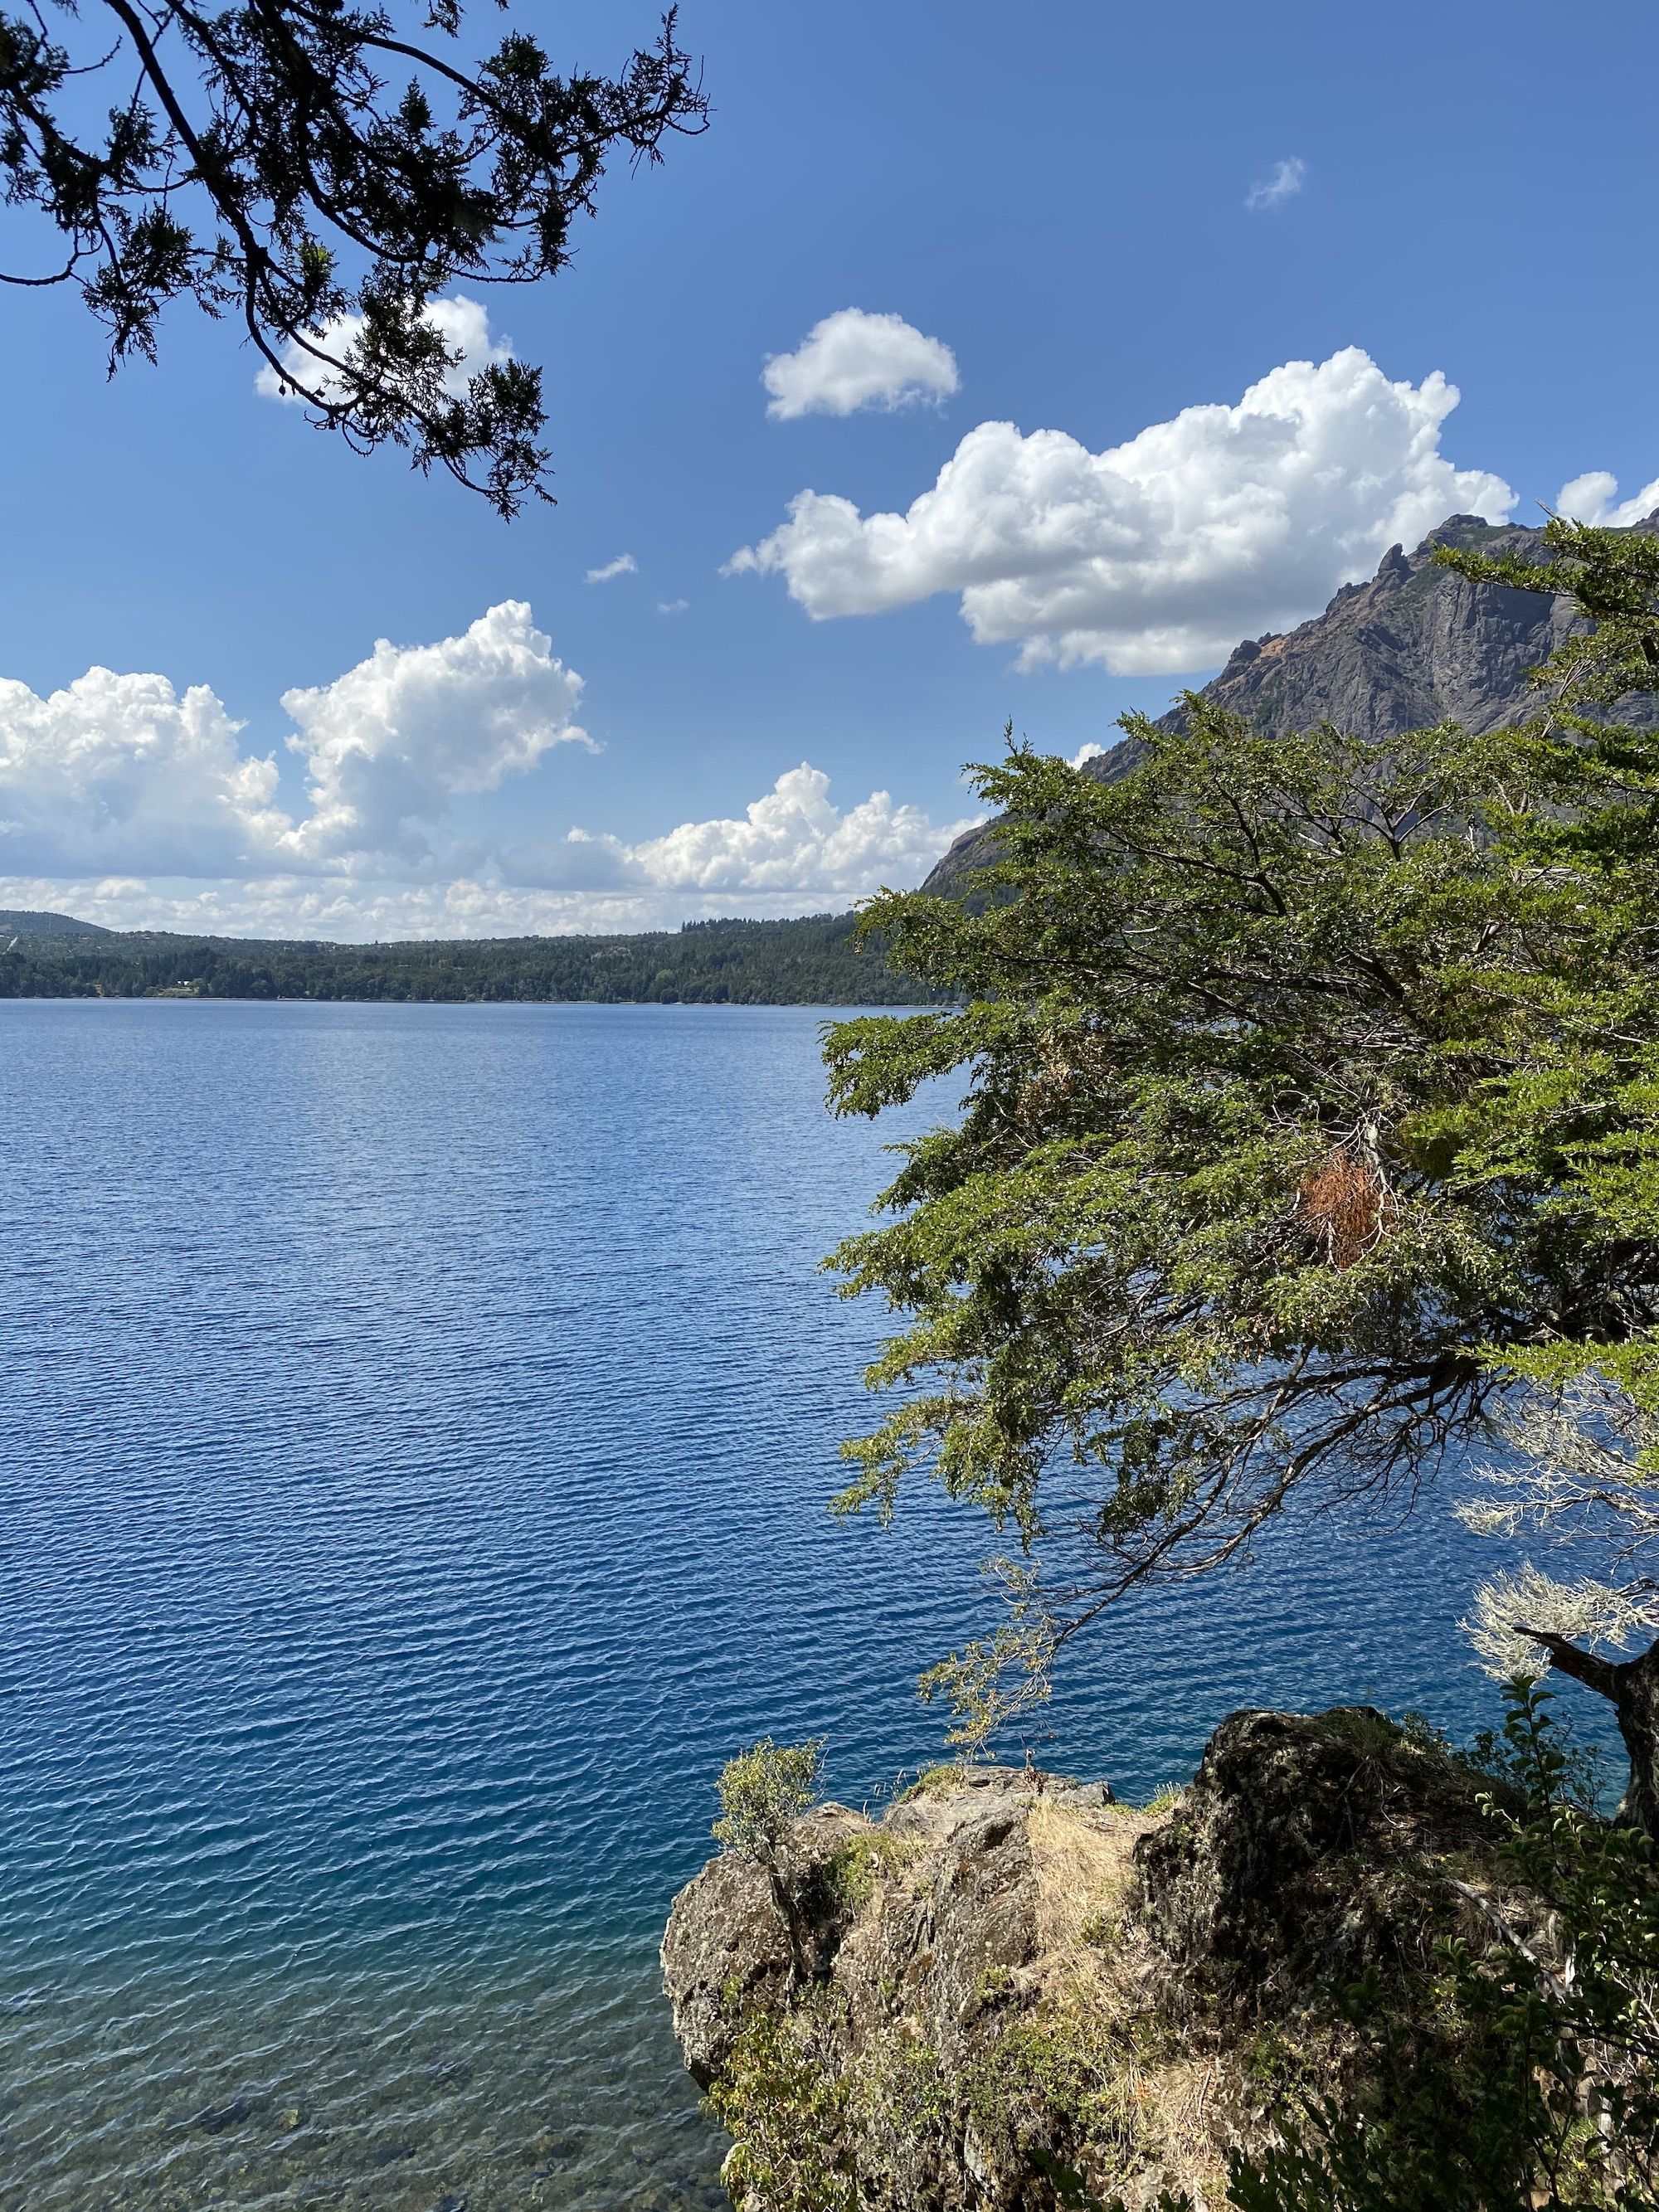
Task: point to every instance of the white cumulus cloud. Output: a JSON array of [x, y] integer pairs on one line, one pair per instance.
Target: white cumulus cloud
[[1284, 182], [853, 360], [1593, 498], [794, 843], [121, 772], [796, 839], [623, 565], [464, 324], [124, 802], [389, 742], [1158, 555]]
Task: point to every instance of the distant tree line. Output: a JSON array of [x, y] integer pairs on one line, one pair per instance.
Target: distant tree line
[[813, 962]]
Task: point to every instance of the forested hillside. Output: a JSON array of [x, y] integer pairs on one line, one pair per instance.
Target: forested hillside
[[13, 923], [813, 962]]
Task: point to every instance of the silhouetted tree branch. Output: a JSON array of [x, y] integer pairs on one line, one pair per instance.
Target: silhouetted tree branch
[[261, 161]]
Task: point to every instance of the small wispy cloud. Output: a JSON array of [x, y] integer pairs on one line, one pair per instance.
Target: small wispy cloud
[[623, 565], [672, 606], [1286, 182]]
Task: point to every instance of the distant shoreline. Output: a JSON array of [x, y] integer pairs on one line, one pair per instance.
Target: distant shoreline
[[813, 962]]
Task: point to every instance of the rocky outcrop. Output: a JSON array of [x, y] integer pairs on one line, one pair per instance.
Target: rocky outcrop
[[1302, 1856], [1018, 1994], [727, 1956], [1415, 646]]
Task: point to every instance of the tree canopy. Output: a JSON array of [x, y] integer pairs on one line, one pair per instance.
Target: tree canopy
[[1312, 1106], [319, 173]]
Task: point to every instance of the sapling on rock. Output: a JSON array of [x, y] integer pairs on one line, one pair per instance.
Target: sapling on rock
[[763, 1791]]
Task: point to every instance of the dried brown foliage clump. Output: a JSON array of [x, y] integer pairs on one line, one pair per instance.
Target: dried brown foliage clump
[[1346, 1203]]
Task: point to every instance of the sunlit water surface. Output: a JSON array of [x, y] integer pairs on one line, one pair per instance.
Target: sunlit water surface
[[415, 1428]]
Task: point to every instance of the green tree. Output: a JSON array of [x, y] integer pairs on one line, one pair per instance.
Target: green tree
[[1312, 1107], [319, 173], [763, 1791]]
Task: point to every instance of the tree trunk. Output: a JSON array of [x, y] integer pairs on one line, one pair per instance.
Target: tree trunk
[[1638, 1724], [1632, 1688], [784, 1905]]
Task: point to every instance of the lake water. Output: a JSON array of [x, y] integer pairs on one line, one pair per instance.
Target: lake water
[[414, 1427]]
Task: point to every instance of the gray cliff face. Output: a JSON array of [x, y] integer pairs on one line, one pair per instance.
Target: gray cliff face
[[1414, 646], [1017, 1995]]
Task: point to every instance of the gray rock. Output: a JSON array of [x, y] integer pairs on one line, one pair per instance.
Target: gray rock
[[1083, 1793], [1305, 1852], [1003, 1950], [726, 1953], [976, 1923]]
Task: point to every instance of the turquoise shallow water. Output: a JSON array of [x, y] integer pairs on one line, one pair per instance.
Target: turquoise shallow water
[[414, 1424]]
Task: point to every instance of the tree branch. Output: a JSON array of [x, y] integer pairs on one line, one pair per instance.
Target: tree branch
[[1598, 1674]]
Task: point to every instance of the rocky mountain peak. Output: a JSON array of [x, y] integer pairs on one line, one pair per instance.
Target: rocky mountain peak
[[1415, 646]]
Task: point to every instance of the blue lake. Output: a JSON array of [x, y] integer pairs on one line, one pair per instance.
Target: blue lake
[[415, 1429]]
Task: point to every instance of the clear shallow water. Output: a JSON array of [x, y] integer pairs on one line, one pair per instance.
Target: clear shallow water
[[414, 1424]]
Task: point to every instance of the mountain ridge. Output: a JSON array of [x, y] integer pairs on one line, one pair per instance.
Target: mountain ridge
[[1416, 644], [24, 922]]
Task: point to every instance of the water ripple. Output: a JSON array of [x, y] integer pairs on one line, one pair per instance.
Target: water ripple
[[414, 1430]]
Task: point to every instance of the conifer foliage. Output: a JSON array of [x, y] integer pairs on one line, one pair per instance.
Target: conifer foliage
[[319, 173], [1312, 1107]]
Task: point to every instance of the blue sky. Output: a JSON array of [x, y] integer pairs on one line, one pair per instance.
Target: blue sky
[[1057, 196]]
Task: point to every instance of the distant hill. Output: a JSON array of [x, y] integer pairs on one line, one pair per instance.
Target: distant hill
[[1416, 646], [47, 924], [812, 962]]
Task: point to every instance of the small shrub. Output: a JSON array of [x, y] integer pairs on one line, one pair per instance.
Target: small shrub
[[1101, 1928], [1057, 2082], [853, 1868], [902, 2090], [933, 1782], [786, 2111], [762, 1791]]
